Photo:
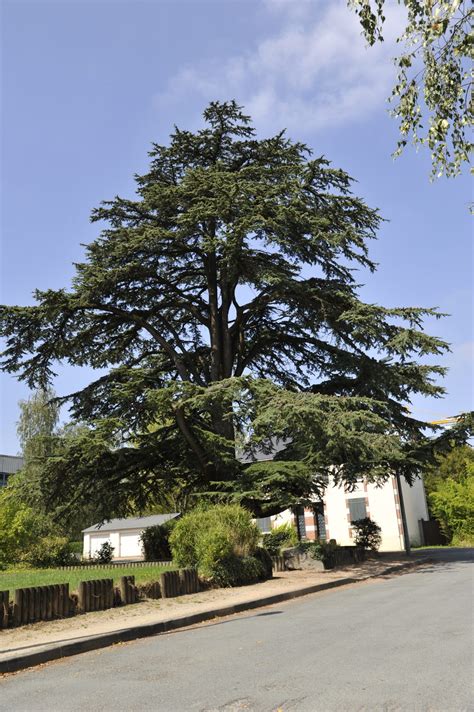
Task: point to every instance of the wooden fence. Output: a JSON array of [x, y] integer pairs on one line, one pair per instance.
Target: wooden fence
[[128, 590], [95, 595], [278, 563], [41, 603], [4, 605], [112, 565], [189, 581], [170, 584]]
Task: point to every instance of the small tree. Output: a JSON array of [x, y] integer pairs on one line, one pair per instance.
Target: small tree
[[367, 534]]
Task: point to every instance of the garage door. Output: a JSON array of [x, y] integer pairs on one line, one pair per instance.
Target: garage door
[[130, 545], [96, 542]]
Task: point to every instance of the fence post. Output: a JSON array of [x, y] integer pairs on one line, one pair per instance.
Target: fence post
[[124, 589], [31, 605], [66, 600], [25, 614], [18, 607], [49, 603], [4, 604]]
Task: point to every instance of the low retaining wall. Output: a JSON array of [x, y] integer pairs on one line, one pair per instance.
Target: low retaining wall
[[4, 605], [296, 558], [347, 555], [128, 590], [43, 603], [278, 563], [95, 595]]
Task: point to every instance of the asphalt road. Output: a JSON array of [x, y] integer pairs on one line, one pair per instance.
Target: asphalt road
[[402, 643]]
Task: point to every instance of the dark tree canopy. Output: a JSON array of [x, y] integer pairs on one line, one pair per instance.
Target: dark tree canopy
[[223, 304]]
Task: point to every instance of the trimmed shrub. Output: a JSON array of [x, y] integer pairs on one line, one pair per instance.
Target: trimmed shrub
[[367, 534], [282, 537], [155, 540], [220, 542], [252, 570], [238, 571]]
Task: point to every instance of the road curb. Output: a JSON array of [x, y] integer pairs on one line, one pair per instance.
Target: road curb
[[103, 640]]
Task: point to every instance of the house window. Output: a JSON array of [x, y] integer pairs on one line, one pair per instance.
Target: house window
[[319, 521], [300, 522], [357, 508], [264, 524], [3, 479]]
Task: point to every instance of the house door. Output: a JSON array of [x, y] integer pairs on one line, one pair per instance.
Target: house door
[[96, 541], [130, 545]]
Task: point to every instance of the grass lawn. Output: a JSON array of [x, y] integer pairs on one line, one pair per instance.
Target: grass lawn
[[23, 578]]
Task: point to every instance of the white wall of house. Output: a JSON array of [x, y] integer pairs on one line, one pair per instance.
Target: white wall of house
[[381, 504], [416, 508]]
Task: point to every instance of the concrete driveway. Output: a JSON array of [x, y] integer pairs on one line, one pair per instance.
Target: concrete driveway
[[400, 643]]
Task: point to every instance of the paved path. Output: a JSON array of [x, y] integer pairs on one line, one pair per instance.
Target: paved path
[[404, 643]]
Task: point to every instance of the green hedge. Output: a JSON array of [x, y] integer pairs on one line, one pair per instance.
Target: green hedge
[[221, 542]]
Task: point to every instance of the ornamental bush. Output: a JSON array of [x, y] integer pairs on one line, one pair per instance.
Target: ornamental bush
[[367, 534], [238, 571], [220, 542], [279, 538]]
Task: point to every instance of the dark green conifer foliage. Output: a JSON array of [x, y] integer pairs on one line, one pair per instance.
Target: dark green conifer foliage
[[223, 303]]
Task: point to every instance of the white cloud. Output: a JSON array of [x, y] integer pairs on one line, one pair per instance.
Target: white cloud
[[314, 71]]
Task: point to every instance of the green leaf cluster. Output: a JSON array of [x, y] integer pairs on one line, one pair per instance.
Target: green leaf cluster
[[432, 96]]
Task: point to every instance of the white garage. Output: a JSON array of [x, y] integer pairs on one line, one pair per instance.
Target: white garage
[[122, 534]]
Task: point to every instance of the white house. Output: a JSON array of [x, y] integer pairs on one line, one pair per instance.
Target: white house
[[123, 534], [331, 518]]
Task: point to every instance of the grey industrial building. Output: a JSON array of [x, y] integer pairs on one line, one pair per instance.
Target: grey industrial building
[[9, 464]]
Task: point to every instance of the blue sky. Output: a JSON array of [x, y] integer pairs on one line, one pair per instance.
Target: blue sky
[[87, 85]]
